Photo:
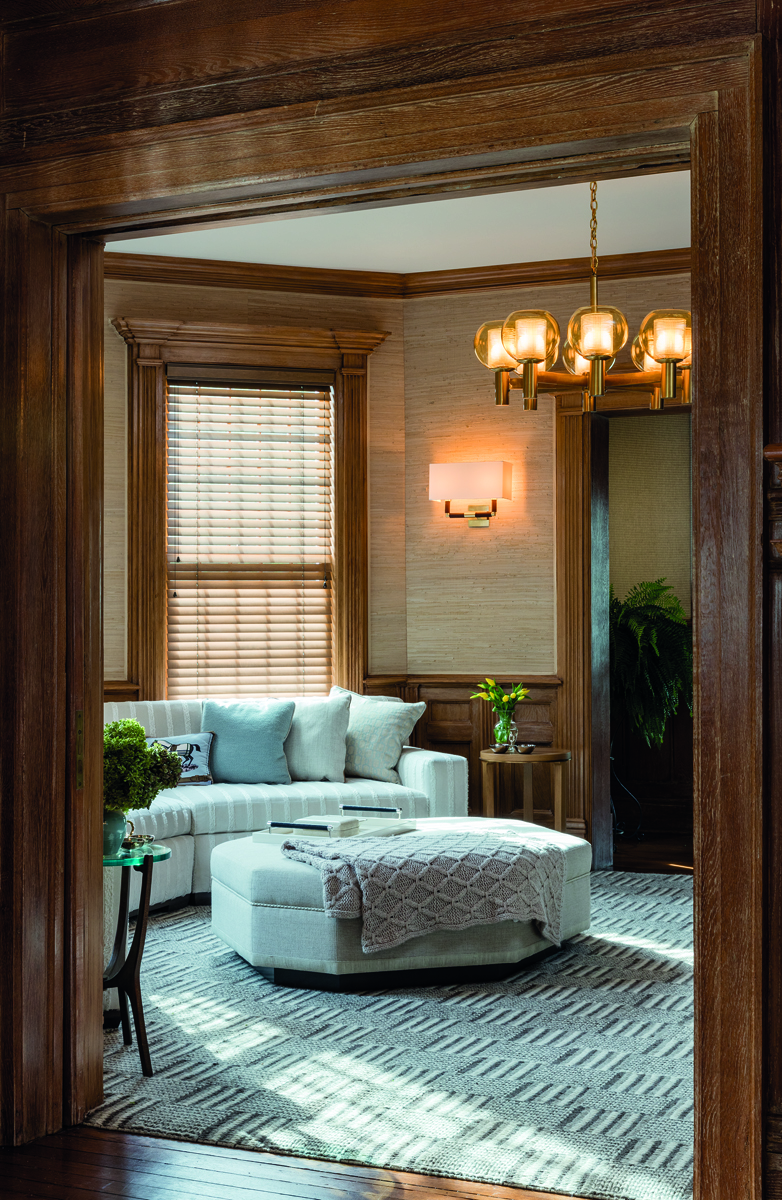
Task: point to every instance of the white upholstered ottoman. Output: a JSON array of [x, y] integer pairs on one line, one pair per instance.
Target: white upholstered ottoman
[[269, 909]]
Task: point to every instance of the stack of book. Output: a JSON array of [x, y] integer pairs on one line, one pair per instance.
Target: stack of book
[[329, 826]]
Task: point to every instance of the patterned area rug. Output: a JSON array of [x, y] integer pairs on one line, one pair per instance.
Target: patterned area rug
[[574, 1076]]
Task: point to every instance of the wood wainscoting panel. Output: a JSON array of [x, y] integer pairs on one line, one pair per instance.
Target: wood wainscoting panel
[[455, 724]]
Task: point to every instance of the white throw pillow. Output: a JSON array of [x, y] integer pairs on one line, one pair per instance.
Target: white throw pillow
[[315, 746], [379, 727]]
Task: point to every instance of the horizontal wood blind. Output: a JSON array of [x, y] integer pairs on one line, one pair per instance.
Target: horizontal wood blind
[[249, 539]]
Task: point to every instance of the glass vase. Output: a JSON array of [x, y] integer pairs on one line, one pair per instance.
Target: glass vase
[[506, 730]]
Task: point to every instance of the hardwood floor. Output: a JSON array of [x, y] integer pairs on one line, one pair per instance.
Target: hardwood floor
[[658, 853], [89, 1164]]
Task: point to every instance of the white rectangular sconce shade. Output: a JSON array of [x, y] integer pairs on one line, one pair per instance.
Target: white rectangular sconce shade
[[471, 481]]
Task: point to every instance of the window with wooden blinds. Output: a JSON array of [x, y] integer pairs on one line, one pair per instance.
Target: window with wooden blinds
[[249, 494]]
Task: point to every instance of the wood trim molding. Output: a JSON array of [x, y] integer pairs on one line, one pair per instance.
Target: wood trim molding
[[147, 582], [119, 691], [82, 818], [176, 340], [682, 93], [51, 669], [203, 272], [154, 343], [582, 561], [351, 524], [263, 277], [560, 270]]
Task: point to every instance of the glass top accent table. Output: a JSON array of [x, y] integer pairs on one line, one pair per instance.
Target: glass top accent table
[[124, 966]]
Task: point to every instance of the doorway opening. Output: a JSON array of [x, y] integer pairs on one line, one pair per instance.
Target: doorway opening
[[650, 539], [428, 387]]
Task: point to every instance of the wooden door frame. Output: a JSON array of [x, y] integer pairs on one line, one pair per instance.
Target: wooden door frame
[[605, 117], [581, 464]]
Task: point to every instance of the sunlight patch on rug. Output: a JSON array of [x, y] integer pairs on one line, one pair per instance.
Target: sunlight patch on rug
[[573, 1076]]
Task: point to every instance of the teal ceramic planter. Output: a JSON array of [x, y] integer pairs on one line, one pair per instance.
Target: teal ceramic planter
[[114, 825]]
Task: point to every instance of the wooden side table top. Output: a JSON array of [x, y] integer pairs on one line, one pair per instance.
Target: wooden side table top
[[548, 754], [544, 754]]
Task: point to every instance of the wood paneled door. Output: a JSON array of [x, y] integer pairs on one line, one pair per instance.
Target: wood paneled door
[[207, 112]]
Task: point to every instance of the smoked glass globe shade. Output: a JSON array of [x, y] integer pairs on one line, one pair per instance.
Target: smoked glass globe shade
[[489, 347], [687, 360], [530, 335], [577, 365], [597, 332], [642, 360], [666, 335]]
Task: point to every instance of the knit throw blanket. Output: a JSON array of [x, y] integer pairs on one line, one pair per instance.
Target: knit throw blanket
[[418, 882]]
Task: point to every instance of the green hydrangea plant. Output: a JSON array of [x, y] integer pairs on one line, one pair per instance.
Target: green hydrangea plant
[[133, 772]]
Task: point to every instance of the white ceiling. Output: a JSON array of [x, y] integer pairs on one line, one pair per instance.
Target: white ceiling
[[644, 213]]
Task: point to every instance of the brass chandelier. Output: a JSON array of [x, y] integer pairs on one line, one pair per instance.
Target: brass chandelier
[[522, 349]]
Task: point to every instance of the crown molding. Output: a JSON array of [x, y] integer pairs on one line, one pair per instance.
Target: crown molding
[[559, 270], [204, 272], [198, 272], [178, 335]]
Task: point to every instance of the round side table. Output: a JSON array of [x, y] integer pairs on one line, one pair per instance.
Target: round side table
[[124, 966], [559, 760]]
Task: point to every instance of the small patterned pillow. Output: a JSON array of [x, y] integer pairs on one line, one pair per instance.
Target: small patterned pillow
[[378, 728], [193, 749]]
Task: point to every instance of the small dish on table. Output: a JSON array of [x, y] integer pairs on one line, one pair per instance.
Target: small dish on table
[[499, 748]]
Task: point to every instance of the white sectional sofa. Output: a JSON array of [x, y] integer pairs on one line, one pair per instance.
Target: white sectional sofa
[[193, 819]]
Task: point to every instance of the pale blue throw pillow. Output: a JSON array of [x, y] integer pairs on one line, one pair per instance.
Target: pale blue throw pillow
[[315, 748], [378, 728], [249, 737]]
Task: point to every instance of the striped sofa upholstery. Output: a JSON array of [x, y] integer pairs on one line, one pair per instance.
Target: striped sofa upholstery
[[193, 819]]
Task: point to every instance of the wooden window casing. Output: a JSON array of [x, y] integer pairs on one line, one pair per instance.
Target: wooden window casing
[[272, 353], [249, 524]]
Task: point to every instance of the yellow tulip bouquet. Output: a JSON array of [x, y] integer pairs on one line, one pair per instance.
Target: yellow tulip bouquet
[[502, 702]]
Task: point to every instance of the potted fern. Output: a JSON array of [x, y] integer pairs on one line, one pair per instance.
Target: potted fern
[[650, 671], [133, 774], [651, 658]]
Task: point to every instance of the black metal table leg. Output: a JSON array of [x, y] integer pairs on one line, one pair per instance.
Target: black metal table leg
[[124, 968]]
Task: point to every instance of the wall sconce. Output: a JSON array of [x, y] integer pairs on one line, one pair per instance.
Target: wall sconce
[[468, 481]]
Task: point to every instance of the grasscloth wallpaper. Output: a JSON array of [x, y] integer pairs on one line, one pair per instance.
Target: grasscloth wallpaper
[[443, 598], [650, 503]]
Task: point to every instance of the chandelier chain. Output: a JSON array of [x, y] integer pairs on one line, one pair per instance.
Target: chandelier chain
[[593, 225]]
